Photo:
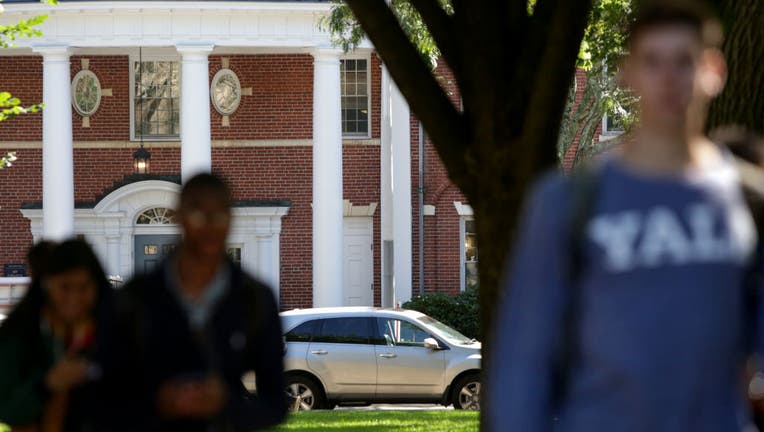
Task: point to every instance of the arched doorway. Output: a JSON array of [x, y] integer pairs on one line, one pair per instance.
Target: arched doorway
[[115, 224]]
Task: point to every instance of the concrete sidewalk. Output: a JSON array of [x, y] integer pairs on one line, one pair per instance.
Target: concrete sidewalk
[[393, 407]]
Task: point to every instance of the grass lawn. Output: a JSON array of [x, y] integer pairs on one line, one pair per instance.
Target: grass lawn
[[379, 421]]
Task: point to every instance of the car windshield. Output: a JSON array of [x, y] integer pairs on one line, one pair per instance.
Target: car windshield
[[445, 331]]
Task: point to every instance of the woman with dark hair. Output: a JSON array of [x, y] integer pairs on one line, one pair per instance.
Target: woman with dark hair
[[48, 342]]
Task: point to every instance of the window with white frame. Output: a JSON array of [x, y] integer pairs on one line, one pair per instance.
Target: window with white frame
[[156, 99], [470, 256], [612, 124], [354, 82]]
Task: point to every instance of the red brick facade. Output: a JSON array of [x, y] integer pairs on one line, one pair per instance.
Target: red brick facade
[[281, 107], [442, 237]]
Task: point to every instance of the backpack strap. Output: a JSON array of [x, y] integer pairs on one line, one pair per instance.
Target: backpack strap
[[584, 193]]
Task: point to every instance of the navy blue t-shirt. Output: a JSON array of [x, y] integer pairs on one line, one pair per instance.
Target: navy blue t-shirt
[[659, 338]]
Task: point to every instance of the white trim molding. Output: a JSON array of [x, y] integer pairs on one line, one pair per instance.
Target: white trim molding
[[463, 209], [350, 209], [123, 23], [17, 145]]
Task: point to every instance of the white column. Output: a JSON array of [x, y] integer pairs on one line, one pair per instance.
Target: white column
[[386, 191], [195, 150], [57, 145], [327, 180], [401, 169]]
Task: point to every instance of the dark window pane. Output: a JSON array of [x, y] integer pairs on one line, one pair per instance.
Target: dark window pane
[[302, 333], [344, 330], [363, 126], [393, 332]]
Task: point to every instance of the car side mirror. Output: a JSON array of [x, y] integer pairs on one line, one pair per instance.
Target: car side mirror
[[431, 343]]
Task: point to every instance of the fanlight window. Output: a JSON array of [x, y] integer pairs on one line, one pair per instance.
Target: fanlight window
[[157, 216]]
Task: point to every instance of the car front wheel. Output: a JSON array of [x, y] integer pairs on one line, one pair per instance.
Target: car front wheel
[[304, 394], [466, 393]]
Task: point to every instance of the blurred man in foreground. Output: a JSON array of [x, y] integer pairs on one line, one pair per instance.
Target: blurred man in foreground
[[189, 331], [626, 306]]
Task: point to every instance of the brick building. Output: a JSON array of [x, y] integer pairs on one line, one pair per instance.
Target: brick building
[[320, 149]]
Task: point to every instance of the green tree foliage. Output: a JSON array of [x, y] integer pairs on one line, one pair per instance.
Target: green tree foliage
[[603, 46], [347, 32], [11, 106]]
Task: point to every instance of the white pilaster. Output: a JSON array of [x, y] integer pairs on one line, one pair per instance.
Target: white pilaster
[[112, 254], [196, 149], [265, 258], [386, 191], [57, 144], [327, 180], [401, 171], [113, 242]]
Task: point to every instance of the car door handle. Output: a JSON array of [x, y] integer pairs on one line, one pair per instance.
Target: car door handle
[[319, 352], [388, 355]]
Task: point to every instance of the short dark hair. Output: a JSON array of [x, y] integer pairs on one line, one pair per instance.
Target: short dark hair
[[695, 14], [205, 183]]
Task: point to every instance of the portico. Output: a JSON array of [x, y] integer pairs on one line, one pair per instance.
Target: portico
[[192, 32]]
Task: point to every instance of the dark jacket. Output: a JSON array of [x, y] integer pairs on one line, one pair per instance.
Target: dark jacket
[[152, 343], [25, 358], [26, 355]]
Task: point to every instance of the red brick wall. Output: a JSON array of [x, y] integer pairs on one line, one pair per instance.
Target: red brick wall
[[281, 105], [376, 95], [442, 259], [280, 108], [570, 155], [18, 184], [22, 77]]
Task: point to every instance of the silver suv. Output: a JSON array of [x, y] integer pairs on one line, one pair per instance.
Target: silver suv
[[363, 355]]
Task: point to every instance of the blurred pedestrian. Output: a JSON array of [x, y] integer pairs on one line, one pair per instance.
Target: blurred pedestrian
[[187, 333], [626, 295], [48, 343]]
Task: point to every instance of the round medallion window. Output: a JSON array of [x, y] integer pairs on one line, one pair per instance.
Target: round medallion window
[[86, 93], [225, 91]]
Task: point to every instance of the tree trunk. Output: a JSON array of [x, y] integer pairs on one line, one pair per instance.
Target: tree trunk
[[513, 71], [742, 101]]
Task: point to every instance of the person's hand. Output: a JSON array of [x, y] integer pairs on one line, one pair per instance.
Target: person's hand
[[201, 399], [67, 373]]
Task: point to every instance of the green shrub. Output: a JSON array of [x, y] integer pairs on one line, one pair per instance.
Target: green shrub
[[460, 312]]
